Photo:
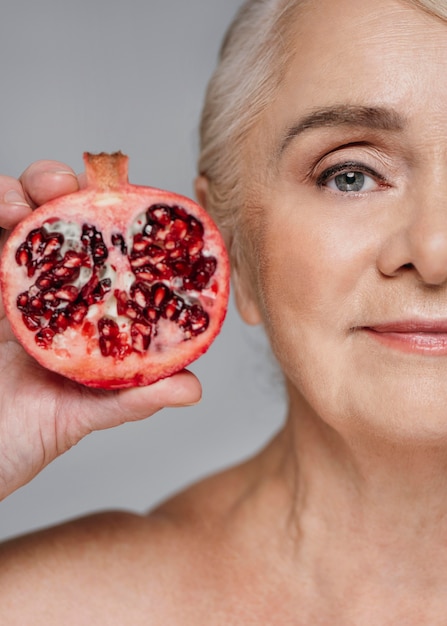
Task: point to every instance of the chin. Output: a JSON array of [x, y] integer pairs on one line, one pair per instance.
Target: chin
[[401, 410], [396, 405]]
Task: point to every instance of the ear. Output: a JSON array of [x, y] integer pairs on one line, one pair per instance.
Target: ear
[[243, 288], [201, 188], [244, 296]]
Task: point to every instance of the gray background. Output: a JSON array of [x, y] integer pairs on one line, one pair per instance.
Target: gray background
[[106, 75]]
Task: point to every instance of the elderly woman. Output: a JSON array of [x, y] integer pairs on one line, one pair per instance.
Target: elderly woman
[[324, 152]]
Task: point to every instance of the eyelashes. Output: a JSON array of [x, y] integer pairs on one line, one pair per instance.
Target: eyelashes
[[350, 177]]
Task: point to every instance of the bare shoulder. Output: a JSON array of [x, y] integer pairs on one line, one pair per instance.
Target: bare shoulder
[[76, 572], [121, 568]]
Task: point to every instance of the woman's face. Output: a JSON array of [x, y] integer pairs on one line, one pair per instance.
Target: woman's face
[[349, 172]]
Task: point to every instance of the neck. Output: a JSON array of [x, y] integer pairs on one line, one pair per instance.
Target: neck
[[369, 517]]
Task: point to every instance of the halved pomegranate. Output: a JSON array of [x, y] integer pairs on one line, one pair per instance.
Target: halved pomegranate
[[116, 285]]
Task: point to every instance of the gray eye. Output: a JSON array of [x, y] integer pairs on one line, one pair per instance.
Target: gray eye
[[351, 181]]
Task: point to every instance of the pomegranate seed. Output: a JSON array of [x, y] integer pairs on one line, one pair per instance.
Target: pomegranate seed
[[111, 341], [31, 270], [106, 346], [69, 293], [122, 303], [202, 271], [181, 268], [108, 327], [44, 337], [194, 320], [198, 319], [73, 259], [140, 294], [23, 301], [36, 238], [126, 307], [155, 253], [47, 263], [160, 214], [45, 281], [89, 287], [89, 234], [93, 241], [164, 270], [160, 294], [23, 254], [147, 273], [32, 322], [104, 287], [95, 290], [54, 244], [149, 230], [122, 348], [50, 298], [170, 245], [178, 230], [65, 274], [100, 254], [152, 314], [78, 312], [59, 322], [195, 246], [176, 253], [37, 305], [140, 243], [142, 261], [178, 211], [133, 311], [173, 308], [141, 336], [195, 228], [118, 242]]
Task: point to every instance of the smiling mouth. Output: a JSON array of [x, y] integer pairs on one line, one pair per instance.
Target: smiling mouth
[[411, 336]]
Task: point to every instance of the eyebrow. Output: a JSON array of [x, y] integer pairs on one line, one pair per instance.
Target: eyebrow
[[376, 118]]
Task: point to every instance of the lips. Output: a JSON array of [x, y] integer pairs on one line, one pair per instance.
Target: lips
[[415, 336], [410, 326]]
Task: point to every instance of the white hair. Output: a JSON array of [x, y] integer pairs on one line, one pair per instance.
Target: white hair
[[438, 8], [250, 68]]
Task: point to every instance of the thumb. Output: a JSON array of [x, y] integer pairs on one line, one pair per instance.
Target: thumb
[[128, 405]]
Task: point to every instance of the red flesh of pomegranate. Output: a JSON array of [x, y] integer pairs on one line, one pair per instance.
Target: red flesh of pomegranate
[[116, 285]]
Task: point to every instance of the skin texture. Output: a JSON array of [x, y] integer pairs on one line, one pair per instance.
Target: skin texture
[[341, 520]]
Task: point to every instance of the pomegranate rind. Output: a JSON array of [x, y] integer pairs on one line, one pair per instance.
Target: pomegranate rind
[[72, 355]]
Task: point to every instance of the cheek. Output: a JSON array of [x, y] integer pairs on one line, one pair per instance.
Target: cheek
[[315, 273], [307, 270]]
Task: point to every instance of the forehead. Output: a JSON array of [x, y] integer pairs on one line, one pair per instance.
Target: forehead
[[367, 52]]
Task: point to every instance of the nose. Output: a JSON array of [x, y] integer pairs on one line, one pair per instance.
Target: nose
[[418, 243]]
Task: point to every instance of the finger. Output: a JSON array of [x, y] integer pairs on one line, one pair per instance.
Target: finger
[[45, 180], [13, 204], [128, 405], [6, 333], [182, 389]]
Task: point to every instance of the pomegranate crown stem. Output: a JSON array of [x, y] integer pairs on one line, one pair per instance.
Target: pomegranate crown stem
[[106, 171]]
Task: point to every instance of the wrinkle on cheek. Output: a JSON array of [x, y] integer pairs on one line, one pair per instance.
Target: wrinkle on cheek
[[272, 268], [303, 278], [263, 265]]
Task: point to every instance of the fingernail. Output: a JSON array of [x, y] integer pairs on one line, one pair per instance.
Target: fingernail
[[62, 172], [13, 197], [180, 404]]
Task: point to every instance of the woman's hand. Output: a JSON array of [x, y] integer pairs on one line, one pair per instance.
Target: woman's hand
[[42, 414]]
